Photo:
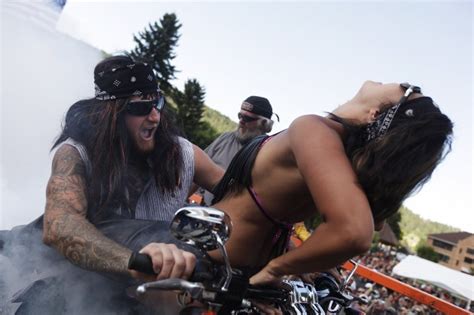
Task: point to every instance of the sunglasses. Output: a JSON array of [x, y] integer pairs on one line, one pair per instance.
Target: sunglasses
[[144, 107], [247, 119]]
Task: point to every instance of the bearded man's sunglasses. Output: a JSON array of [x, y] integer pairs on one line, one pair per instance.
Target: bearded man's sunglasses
[[144, 107], [247, 119]]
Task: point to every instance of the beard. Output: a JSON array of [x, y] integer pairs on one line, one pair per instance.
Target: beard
[[245, 136], [140, 148]]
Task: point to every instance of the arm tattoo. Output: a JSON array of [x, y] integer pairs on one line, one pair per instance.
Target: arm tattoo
[[65, 225]]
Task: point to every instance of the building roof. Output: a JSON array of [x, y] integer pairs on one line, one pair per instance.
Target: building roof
[[387, 236], [452, 238]]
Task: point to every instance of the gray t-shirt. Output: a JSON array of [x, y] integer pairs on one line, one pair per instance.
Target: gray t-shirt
[[153, 204], [222, 151]]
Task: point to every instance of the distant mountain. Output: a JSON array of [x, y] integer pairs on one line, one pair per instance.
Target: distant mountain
[[219, 122], [213, 119], [415, 229]]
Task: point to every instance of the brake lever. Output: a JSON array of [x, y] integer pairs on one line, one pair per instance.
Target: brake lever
[[195, 289], [345, 283]]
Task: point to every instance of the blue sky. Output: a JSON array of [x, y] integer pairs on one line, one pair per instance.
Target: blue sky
[[308, 57]]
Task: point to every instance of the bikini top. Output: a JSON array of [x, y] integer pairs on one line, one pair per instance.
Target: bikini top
[[239, 176], [284, 229]]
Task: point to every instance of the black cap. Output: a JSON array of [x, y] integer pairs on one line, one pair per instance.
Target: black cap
[[258, 105]]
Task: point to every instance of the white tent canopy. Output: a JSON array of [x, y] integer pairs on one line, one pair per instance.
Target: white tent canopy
[[454, 281]]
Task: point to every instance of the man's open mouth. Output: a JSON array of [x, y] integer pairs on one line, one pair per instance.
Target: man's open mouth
[[147, 133]]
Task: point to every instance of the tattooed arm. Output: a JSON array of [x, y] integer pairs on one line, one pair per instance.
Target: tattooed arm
[[65, 225], [67, 229]]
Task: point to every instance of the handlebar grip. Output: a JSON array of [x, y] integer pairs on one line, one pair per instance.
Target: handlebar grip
[[141, 262]]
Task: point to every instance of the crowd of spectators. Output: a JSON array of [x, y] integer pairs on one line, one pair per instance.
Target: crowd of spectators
[[381, 300]]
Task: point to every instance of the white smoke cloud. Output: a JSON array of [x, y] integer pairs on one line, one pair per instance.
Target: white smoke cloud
[[43, 73]]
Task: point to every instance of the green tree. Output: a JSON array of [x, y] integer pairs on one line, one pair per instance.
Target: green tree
[[427, 252], [190, 107], [205, 135], [415, 229], [313, 222], [394, 223], [156, 45]]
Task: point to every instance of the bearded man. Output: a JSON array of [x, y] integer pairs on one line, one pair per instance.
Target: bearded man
[[254, 120]]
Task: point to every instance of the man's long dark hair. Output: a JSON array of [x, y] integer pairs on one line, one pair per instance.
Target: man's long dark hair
[[99, 125]]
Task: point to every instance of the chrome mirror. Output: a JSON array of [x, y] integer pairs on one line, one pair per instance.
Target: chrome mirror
[[199, 226], [205, 228]]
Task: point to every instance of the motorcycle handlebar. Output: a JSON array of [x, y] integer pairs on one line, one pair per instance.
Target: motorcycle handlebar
[[143, 263], [265, 293], [203, 271], [193, 288]]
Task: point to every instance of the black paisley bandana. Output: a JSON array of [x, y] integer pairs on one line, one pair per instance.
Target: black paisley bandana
[[134, 79], [378, 128]]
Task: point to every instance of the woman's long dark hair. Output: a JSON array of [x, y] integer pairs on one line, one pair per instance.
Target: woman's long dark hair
[[392, 167], [99, 125]]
